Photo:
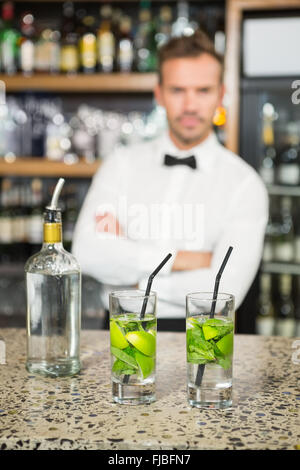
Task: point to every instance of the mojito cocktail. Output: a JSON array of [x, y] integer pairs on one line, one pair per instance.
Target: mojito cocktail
[[133, 349], [209, 344]]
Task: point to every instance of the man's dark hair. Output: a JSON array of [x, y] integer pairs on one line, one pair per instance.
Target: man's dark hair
[[186, 47]]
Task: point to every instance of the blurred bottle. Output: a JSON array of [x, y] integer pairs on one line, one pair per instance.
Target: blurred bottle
[[69, 60], [267, 169], [265, 320], [182, 25], [145, 41], [34, 109], [88, 46], [219, 33], [47, 51], [106, 43], [84, 133], [27, 44], [9, 38], [116, 16], [125, 45], [284, 307], [288, 170], [9, 128], [58, 137], [284, 232], [164, 25]]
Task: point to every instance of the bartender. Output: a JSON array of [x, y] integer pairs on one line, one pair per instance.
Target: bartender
[[182, 193]]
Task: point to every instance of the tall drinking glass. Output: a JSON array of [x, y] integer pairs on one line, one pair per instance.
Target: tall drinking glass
[[133, 346], [209, 343]]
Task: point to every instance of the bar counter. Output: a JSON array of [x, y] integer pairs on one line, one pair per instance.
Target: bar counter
[[77, 412]]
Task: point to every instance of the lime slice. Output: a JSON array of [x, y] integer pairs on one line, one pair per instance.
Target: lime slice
[[117, 339], [209, 332], [145, 363], [143, 341], [225, 344]]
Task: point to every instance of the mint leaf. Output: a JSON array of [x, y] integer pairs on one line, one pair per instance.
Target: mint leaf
[[127, 356], [203, 351], [121, 367], [199, 350]]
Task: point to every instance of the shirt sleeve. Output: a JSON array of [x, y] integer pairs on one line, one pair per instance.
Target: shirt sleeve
[[108, 258], [244, 230]]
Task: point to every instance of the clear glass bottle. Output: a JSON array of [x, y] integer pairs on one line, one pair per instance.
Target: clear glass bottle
[[27, 44], [53, 285], [106, 41], [125, 47]]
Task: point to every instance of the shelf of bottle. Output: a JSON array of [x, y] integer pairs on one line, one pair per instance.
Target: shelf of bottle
[[280, 190], [85, 83], [43, 167], [281, 268]]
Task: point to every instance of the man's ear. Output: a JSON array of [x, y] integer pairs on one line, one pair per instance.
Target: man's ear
[[158, 94]]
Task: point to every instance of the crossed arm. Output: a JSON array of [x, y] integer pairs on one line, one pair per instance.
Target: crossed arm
[[185, 260]]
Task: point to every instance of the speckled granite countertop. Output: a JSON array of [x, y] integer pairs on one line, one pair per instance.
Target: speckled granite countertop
[[77, 412]]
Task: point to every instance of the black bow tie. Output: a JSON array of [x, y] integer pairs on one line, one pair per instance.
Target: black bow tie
[[189, 161]]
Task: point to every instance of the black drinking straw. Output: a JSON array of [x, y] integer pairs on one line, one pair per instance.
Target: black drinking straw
[[201, 367], [148, 289]]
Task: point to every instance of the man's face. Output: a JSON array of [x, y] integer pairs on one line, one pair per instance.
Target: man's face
[[190, 91]]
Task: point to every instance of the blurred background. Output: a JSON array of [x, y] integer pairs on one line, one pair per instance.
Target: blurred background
[[78, 78]]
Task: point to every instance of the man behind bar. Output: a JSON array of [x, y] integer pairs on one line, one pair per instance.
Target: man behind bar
[[182, 193]]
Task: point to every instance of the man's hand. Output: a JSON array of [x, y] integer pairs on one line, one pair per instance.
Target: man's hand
[[188, 260], [108, 223]]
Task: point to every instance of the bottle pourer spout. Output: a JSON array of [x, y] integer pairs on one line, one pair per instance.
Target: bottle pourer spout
[[56, 194]]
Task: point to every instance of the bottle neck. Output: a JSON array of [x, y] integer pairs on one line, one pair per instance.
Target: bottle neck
[[52, 233], [52, 228]]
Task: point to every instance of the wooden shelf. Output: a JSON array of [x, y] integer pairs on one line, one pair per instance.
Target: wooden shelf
[[101, 82], [43, 167]]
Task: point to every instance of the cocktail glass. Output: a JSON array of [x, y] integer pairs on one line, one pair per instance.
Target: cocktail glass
[[133, 346], [209, 344]]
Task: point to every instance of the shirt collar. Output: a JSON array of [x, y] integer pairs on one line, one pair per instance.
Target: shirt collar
[[204, 152]]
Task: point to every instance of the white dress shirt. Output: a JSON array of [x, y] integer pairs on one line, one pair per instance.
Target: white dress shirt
[[164, 209]]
